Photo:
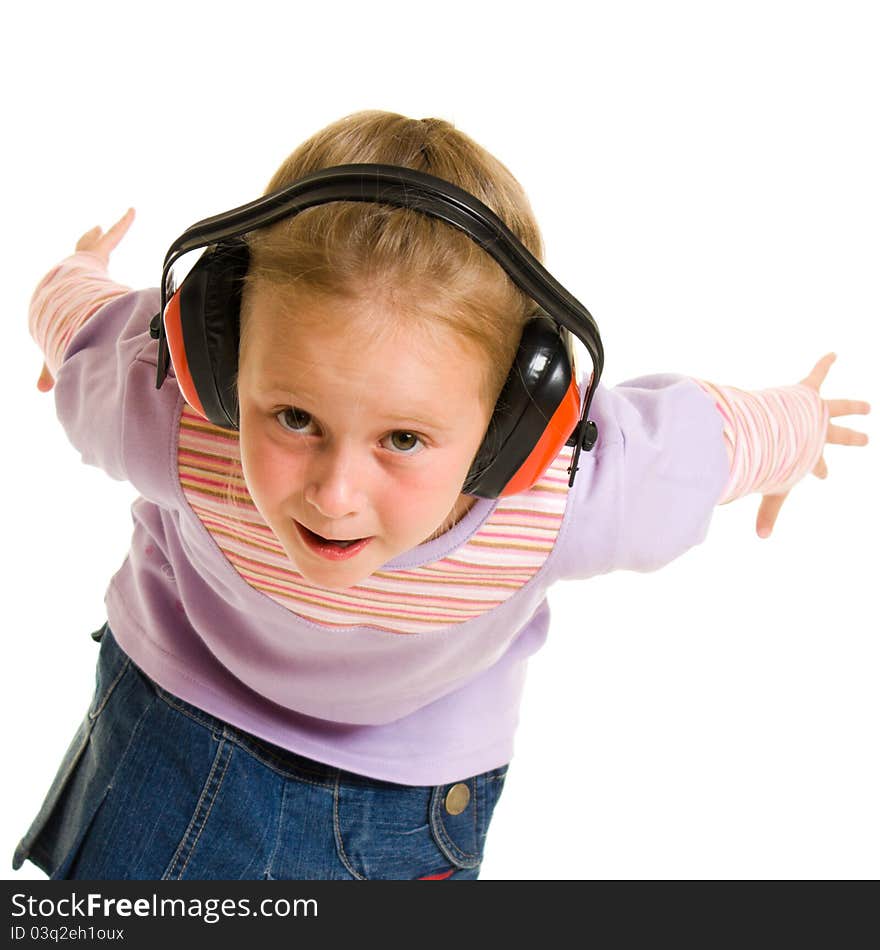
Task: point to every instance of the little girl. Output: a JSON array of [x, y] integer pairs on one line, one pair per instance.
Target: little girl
[[316, 647]]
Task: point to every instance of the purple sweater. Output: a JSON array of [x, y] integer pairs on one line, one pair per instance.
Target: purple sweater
[[428, 706]]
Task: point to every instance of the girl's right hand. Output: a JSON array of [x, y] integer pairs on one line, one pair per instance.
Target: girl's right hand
[[101, 245], [45, 382]]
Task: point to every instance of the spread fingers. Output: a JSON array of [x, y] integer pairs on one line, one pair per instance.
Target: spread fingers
[[841, 435]]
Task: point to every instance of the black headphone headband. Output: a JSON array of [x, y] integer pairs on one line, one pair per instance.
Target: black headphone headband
[[404, 188]]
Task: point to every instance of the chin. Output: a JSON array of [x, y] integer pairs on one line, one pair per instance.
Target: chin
[[331, 577], [334, 583]]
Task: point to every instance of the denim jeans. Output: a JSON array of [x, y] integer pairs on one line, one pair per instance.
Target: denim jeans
[[153, 788]]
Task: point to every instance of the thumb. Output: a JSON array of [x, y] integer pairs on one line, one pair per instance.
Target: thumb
[[46, 381], [768, 512]]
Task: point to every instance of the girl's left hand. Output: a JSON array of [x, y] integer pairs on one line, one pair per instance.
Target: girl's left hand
[[839, 435]]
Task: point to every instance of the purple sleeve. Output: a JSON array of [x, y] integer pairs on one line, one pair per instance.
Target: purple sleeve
[[106, 397], [646, 492]]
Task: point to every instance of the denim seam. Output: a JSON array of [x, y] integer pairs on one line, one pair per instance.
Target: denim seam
[[262, 757], [170, 701], [134, 735], [266, 758], [271, 862], [337, 833], [440, 834], [109, 691], [210, 787]]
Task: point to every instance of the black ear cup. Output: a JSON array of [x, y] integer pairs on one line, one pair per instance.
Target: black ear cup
[[209, 302], [534, 415]]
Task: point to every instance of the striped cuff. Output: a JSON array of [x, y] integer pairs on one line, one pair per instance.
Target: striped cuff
[[773, 436], [65, 299]]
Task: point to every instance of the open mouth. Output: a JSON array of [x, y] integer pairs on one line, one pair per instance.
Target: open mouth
[[332, 548], [338, 541]]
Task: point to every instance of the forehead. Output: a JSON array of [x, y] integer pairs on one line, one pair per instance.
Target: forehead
[[340, 348]]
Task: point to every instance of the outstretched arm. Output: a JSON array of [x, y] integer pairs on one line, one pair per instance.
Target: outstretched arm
[[775, 436], [71, 292]]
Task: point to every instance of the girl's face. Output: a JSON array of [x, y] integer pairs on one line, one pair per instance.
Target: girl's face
[[353, 436]]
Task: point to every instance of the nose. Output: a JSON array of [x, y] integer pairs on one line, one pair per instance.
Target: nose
[[333, 483]]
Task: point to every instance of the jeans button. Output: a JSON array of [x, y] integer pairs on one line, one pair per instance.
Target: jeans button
[[457, 798]]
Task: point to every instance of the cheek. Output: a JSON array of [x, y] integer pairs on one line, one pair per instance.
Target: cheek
[[269, 473], [420, 497]]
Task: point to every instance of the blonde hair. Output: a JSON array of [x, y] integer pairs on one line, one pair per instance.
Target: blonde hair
[[427, 270]]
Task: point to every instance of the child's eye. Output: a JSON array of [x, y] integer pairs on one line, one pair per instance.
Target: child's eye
[[407, 444], [293, 419], [296, 420]]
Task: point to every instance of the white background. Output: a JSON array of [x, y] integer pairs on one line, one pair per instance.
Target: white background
[[705, 175]]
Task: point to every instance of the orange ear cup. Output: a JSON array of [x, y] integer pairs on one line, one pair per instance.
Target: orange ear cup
[[177, 351], [555, 435]]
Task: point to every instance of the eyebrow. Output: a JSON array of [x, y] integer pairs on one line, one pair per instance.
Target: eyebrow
[[294, 399]]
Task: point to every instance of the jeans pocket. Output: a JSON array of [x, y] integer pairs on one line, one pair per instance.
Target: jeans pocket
[[460, 816], [386, 831]]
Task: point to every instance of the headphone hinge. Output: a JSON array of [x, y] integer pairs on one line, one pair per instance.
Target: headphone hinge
[[588, 437]]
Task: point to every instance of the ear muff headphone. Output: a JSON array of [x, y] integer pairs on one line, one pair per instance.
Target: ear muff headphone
[[537, 411]]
